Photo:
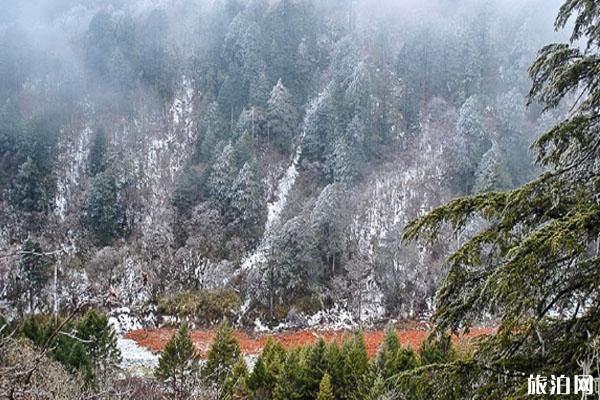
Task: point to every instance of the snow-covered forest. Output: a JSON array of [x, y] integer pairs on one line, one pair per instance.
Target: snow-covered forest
[[267, 166]]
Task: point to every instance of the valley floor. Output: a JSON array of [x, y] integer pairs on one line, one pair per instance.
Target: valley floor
[[251, 344]]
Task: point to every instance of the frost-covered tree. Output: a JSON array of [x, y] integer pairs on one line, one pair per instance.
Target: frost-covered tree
[[470, 142], [492, 173], [281, 116], [34, 270], [28, 192], [221, 178], [97, 161], [101, 213], [535, 263], [247, 209]]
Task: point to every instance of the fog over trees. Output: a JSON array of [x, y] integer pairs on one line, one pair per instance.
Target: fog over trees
[[291, 164]]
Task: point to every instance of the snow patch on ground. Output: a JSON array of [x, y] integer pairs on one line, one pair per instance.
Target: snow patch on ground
[[134, 357], [122, 320]]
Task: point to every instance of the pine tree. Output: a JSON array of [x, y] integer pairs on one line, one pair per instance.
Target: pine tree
[[265, 373], [470, 143], [100, 340], [437, 349], [236, 385], [281, 117], [101, 213], [492, 173], [178, 362], [316, 367], [392, 358], [325, 389], [34, 268], [97, 160], [211, 129], [289, 382], [335, 366], [221, 178], [222, 357], [531, 262], [248, 206], [356, 367], [188, 190], [28, 193]]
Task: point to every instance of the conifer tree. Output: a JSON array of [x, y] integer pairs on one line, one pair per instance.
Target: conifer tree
[[100, 341], [266, 371], [289, 382], [97, 160], [222, 357], [34, 270], [325, 389], [248, 206], [335, 366], [101, 213], [356, 367], [281, 117], [236, 385], [537, 255], [492, 173], [221, 178], [178, 362], [392, 358], [315, 366], [28, 193]]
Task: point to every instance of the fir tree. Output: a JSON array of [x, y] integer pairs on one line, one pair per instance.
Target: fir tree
[[316, 367], [536, 256], [100, 340], [34, 268], [492, 173], [101, 212], [335, 366], [236, 385], [178, 362], [28, 193], [356, 367], [248, 206], [222, 357], [437, 349], [392, 358], [221, 178], [265, 373], [325, 389], [289, 382], [97, 160], [281, 117]]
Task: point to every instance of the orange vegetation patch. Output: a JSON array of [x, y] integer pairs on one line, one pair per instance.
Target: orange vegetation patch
[[253, 343]]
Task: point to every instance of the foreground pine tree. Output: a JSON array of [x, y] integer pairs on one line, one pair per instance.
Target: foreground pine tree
[[223, 355], [325, 389], [178, 363], [536, 263]]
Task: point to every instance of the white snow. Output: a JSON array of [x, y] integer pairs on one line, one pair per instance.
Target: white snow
[[134, 356], [275, 209], [122, 320]]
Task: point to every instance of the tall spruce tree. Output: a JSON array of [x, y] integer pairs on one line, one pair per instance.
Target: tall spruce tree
[[178, 362], [34, 271], [281, 117], [536, 264], [325, 389], [101, 213], [222, 357], [97, 159]]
